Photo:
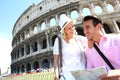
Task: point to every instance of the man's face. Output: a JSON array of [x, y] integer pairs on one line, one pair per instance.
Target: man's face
[[89, 29]]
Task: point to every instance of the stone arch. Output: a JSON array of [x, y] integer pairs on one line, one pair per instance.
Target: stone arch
[[18, 69], [112, 3], [35, 65], [110, 7], [98, 9], [28, 67], [86, 11], [118, 23], [53, 39], [43, 26], [35, 30], [74, 14], [22, 68], [18, 41], [15, 56], [44, 44], [22, 36], [27, 48], [62, 15], [45, 63], [52, 21], [27, 33], [34, 46], [22, 51], [13, 69], [107, 28], [80, 31], [18, 54]]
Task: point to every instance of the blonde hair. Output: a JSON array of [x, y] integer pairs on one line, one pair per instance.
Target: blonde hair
[[63, 34]]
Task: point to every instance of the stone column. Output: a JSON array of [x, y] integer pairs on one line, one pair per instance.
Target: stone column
[[17, 40], [20, 37], [47, 39], [38, 24], [80, 12], [68, 13], [47, 23], [50, 60], [25, 34], [116, 26], [57, 20], [92, 8], [32, 65], [30, 48], [38, 28], [40, 63], [31, 31], [25, 68], [38, 45], [20, 53], [117, 5], [104, 7], [20, 69], [24, 50]]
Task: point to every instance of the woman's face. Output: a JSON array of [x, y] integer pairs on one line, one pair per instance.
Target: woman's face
[[69, 30]]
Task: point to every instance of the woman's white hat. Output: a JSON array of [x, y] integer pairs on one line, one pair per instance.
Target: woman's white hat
[[64, 21]]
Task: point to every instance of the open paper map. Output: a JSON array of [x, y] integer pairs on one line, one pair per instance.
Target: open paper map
[[89, 74]]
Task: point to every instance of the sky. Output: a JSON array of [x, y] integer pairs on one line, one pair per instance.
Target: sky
[[10, 10]]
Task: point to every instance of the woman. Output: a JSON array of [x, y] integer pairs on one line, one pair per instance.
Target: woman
[[72, 50]]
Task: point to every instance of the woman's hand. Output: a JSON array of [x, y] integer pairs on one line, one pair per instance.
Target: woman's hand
[[90, 43], [112, 75]]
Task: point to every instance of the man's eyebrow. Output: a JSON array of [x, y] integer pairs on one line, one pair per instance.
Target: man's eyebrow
[[87, 26]]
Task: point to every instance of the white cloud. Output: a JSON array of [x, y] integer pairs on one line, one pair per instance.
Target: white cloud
[[5, 50]]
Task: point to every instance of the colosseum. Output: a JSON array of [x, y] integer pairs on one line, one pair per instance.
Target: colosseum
[[37, 27]]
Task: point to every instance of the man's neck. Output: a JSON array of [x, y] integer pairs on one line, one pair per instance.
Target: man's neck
[[98, 38]]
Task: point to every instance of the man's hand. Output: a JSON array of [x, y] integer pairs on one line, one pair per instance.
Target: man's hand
[[90, 43], [112, 75]]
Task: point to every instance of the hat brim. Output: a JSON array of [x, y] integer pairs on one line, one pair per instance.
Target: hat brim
[[72, 21]]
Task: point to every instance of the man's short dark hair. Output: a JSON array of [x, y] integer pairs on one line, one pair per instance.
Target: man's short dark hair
[[95, 20]]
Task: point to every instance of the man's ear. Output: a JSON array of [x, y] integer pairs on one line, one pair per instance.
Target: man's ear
[[99, 26]]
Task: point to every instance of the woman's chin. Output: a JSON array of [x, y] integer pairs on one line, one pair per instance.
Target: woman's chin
[[88, 37]]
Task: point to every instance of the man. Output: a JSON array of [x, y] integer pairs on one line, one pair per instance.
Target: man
[[108, 44]]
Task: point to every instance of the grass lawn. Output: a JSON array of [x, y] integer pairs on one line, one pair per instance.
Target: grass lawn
[[31, 76]]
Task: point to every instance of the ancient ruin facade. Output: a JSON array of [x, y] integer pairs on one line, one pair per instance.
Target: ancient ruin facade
[[35, 30]]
